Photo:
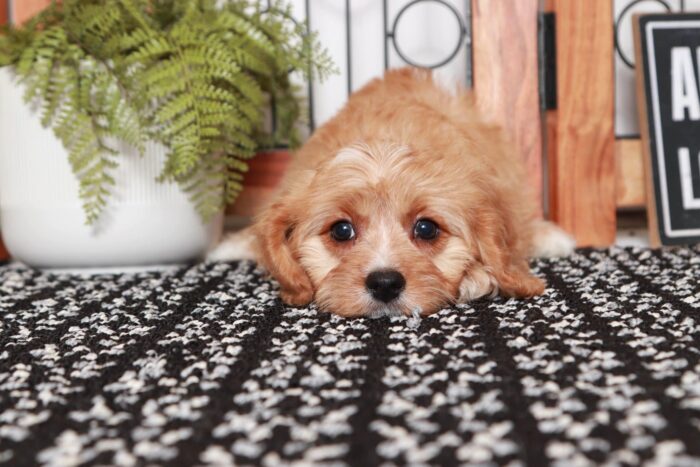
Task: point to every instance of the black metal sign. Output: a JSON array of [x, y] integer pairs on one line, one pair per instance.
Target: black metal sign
[[668, 47]]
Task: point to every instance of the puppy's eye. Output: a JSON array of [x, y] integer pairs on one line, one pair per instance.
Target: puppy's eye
[[425, 229], [342, 231]]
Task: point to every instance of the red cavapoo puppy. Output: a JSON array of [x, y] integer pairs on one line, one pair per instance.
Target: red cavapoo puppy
[[403, 203]]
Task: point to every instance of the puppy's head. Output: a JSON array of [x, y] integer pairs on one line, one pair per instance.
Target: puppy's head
[[376, 231]]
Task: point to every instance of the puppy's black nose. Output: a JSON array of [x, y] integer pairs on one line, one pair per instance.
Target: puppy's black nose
[[386, 284]]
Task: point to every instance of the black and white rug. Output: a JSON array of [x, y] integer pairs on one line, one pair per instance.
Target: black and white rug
[[203, 366]]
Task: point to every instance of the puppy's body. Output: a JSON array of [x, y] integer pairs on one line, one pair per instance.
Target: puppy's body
[[435, 200]]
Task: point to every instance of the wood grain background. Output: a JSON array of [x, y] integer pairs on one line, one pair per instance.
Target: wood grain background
[[582, 165], [630, 191], [3, 11], [505, 50], [652, 220]]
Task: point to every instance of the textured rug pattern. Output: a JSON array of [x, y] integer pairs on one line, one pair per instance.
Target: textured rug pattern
[[203, 365]]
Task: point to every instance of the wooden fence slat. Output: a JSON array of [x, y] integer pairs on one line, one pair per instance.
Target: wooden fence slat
[[629, 172], [505, 64], [582, 169], [3, 11]]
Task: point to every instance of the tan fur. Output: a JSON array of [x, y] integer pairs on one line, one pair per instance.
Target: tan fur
[[401, 149]]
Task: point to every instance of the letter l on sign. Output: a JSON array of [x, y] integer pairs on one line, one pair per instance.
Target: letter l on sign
[[689, 199]]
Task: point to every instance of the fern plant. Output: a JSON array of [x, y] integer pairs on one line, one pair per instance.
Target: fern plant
[[193, 75]]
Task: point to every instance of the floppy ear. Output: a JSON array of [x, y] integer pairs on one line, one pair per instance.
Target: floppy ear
[[502, 253], [274, 232]]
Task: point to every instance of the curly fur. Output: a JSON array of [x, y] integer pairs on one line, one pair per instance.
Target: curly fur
[[403, 148]]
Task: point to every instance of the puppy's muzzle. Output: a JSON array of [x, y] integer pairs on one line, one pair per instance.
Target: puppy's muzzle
[[385, 285]]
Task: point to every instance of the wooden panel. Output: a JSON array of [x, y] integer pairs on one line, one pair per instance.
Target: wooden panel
[[3, 11], [652, 221], [582, 168], [22, 10], [629, 171], [506, 76]]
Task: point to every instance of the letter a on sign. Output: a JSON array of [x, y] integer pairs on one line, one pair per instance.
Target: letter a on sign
[[668, 58], [684, 86]]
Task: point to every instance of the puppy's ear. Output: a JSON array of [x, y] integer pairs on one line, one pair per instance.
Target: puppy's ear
[[274, 231], [502, 257]]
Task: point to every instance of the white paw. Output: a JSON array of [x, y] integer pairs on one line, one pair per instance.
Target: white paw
[[550, 241], [234, 246], [478, 283]]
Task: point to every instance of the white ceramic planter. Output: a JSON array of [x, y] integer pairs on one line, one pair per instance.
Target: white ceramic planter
[[41, 216]]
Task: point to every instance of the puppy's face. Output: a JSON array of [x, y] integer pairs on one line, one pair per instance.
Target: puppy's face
[[378, 231]]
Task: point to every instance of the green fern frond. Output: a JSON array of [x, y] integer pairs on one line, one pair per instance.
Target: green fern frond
[[194, 75]]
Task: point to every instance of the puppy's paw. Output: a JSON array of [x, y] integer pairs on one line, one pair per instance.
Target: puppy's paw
[[234, 246], [478, 283], [526, 286], [299, 297], [550, 241]]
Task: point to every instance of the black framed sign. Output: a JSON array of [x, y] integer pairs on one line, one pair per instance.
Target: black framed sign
[[668, 76]]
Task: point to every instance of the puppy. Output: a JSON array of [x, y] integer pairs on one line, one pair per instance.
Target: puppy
[[403, 203]]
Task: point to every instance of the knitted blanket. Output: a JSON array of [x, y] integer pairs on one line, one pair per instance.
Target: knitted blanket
[[202, 365]]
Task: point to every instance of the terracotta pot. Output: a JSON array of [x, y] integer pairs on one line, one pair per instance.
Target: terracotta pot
[[3, 251], [23, 10], [264, 176]]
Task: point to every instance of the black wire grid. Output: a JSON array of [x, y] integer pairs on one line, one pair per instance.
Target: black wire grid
[[390, 40], [629, 61]]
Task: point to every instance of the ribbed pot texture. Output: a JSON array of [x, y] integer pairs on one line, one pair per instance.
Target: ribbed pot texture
[[41, 216]]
